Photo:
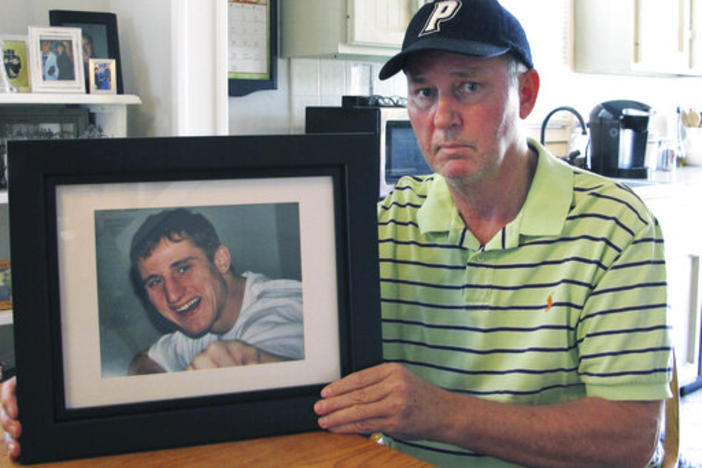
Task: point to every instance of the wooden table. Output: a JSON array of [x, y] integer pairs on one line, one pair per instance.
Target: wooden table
[[312, 449]]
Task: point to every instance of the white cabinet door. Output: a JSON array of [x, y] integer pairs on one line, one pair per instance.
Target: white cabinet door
[[695, 35], [661, 35], [344, 28], [379, 22], [638, 36]]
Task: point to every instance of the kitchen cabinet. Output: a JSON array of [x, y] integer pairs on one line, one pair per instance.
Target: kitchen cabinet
[[642, 37], [674, 205], [356, 29]]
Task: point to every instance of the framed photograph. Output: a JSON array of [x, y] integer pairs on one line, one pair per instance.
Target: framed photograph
[[100, 36], [265, 245], [252, 36], [39, 122], [103, 77], [16, 61], [56, 58], [5, 285]]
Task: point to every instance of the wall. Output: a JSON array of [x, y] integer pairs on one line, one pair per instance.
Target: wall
[[144, 35], [305, 82]]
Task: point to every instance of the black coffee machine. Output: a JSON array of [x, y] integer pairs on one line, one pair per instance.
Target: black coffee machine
[[618, 134]]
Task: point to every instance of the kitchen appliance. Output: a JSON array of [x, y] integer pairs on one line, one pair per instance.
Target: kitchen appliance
[[618, 135], [388, 120]]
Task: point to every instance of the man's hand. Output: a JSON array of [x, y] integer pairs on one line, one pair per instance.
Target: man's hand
[[386, 398], [8, 417], [231, 353]]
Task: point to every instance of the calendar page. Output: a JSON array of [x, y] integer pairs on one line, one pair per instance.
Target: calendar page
[[249, 33]]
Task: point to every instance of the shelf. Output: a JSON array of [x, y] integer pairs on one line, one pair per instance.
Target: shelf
[[5, 317], [57, 98]]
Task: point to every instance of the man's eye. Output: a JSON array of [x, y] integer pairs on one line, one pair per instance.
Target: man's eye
[[469, 87], [152, 283], [182, 269], [425, 92]]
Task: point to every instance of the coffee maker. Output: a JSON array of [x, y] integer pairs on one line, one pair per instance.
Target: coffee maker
[[618, 134]]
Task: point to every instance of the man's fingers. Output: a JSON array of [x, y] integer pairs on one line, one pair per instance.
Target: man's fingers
[[9, 398], [363, 396], [359, 418], [13, 447], [358, 380]]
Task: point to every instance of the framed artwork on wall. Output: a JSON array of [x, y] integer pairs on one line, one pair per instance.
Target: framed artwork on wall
[[100, 38]]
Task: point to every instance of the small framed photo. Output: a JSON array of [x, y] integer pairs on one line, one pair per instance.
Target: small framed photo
[[15, 59], [5, 285], [100, 36], [254, 243], [56, 58], [102, 76]]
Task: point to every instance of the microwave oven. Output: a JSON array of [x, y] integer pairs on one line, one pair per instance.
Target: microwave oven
[[399, 153]]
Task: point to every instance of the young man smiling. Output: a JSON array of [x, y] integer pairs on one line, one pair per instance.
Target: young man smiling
[[180, 268]]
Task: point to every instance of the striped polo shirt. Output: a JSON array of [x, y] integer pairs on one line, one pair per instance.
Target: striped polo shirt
[[566, 301]]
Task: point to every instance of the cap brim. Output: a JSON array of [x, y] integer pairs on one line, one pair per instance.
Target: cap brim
[[477, 49]]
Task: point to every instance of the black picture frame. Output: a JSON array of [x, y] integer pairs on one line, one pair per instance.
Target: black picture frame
[[102, 24], [241, 87], [39, 170]]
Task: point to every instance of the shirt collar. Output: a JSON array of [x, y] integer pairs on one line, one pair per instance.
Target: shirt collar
[[543, 213]]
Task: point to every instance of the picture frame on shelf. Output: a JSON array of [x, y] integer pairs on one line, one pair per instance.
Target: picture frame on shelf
[[87, 209], [16, 61], [100, 37], [102, 76], [30, 122], [5, 285], [56, 58]]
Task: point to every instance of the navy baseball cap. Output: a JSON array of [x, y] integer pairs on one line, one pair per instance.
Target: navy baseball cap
[[480, 28]]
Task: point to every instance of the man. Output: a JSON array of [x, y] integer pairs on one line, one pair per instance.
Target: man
[[523, 300], [181, 269], [49, 65]]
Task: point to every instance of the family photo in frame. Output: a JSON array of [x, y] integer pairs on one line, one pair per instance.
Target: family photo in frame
[[287, 210], [100, 39], [56, 59], [102, 73]]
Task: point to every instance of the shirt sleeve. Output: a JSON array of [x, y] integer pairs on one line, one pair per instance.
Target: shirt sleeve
[[623, 335]]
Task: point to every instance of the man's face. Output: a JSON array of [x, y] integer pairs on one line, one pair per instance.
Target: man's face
[[463, 110], [184, 286], [87, 48]]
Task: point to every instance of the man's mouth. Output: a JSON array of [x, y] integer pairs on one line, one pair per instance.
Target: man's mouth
[[187, 307]]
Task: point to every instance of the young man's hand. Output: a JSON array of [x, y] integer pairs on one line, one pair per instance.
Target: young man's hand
[[231, 353], [8, 417]]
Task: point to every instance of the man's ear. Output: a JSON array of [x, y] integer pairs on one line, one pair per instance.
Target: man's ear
[[222, 259], [529, 83]]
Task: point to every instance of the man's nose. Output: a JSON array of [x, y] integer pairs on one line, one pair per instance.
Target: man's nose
[[173, 290], [446, 113]]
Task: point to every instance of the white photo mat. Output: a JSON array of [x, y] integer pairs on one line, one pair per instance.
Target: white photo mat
[[76, 206]]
